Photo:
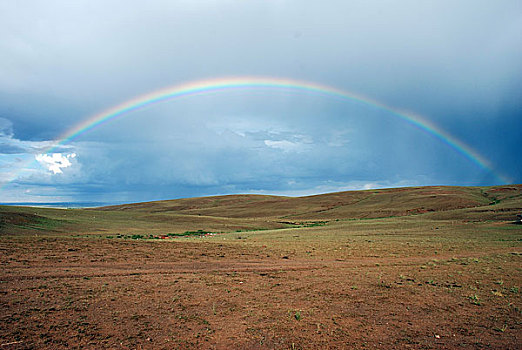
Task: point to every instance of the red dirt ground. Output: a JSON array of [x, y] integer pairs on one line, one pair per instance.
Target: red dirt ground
[[62, 293]]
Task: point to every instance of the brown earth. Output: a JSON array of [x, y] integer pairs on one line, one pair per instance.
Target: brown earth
[[445, 278]]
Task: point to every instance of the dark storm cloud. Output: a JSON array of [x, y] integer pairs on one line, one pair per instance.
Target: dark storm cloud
[[456, 63]]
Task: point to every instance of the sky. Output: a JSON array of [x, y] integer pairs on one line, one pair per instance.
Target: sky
[[454, 65]]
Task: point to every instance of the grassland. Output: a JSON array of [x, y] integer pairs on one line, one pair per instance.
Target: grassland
[[419, 268]]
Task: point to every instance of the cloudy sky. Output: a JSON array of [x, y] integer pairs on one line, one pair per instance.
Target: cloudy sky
[[456, 64]]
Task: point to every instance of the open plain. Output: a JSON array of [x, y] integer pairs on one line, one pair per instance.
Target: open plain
[[406, 268]]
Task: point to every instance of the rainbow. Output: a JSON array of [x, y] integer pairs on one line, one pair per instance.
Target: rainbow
[[233, 83]]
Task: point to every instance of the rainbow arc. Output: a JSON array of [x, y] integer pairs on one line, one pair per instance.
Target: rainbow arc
[[214, 85]]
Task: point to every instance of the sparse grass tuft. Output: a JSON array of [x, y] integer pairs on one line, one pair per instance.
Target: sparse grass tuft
[[474, 299], [297, 315], [502, 329]]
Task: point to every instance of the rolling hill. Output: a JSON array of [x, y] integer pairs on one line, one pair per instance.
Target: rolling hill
[[256, 212], [339, 205]]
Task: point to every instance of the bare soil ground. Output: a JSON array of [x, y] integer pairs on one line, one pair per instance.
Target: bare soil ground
[[440, 280]]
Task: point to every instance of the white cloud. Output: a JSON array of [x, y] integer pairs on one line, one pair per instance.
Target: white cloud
[[55, 161], [285, 145]]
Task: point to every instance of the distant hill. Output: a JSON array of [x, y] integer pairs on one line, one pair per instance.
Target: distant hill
[[339, 205]]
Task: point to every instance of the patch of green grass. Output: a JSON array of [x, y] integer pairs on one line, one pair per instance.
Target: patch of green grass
[[315, 224], [151, 236], [256, 229], [189, 233]]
